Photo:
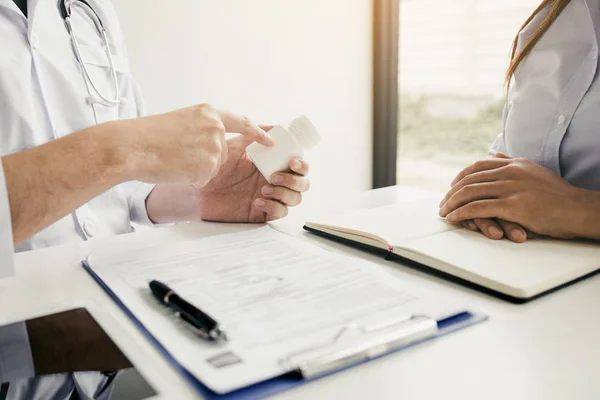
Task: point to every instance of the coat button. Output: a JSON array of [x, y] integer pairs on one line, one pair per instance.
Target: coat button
[[561, 119], [89, 228]]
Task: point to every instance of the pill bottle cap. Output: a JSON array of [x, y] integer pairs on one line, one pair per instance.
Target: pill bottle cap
[[305, 132]]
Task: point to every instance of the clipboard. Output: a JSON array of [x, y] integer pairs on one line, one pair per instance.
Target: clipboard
[[320, 361]]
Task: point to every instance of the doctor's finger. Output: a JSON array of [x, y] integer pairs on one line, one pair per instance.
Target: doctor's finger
[[224, 150], [266, 128], [479, 166], [282, 194], [291, 181], [299, 166], [514, 232], [217, 167], [235, 123], [272, 208]]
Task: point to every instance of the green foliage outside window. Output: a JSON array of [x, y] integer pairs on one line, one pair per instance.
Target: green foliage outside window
[[423, 135]]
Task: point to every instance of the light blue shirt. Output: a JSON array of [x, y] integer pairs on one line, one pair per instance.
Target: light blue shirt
[[552, 115]]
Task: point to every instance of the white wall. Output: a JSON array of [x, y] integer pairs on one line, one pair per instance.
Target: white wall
[[270, 60]]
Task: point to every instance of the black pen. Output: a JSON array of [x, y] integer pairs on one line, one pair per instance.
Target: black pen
[[207, 327]]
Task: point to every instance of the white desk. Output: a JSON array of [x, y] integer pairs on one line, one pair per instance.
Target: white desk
[[548, 349]]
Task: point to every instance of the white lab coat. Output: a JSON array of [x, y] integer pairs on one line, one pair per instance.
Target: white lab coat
[[43, 96]]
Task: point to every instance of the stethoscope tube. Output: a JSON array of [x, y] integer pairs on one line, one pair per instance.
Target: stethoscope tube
[[65, 10]]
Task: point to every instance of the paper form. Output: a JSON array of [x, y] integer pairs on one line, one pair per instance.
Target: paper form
[[274, 295]]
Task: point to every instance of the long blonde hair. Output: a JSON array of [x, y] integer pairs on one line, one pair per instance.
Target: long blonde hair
[[556, 7]]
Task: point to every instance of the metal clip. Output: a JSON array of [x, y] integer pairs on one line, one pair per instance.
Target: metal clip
[[378, 340]]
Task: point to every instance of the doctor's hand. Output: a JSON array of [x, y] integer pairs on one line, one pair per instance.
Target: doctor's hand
[[186, 146], [239, 193], [521, 192]]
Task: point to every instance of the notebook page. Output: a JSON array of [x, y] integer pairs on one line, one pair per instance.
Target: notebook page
[[522, 269], [273, 294], [396, 223]]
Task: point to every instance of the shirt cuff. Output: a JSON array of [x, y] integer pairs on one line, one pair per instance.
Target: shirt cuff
[[16, 360], [137, 193], [7, 267]]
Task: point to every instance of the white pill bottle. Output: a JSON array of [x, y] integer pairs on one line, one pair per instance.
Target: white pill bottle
[[291, 141]]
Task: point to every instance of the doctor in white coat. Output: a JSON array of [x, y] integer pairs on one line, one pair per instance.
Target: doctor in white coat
[[80, 160], [76, 166]]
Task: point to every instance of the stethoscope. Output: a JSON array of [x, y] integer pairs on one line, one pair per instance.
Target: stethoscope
[[65, 10]]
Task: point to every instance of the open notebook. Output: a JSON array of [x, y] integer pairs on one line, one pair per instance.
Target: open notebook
[[414, 231]]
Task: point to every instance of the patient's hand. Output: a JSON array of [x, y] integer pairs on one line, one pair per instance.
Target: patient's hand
[[497, 229], [521, 192], [239, 193]]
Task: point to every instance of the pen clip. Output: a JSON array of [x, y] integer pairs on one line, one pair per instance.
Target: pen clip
[[202, 331], [213, 334]]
